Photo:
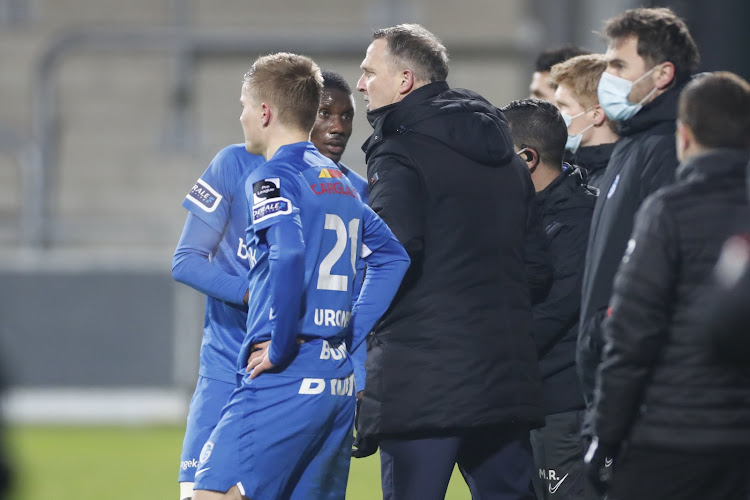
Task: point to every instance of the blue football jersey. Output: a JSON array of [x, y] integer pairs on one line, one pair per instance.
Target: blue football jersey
[[218, 199], [301, 185]]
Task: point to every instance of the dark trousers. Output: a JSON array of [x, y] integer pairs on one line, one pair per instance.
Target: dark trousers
[[496, 464], [649, 474], [558, 456]]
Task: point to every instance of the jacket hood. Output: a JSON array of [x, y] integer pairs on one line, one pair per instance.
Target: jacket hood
[[461, 119], [568, 191]]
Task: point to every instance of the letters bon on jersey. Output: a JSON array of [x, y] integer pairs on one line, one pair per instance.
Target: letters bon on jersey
[[267, 200], [203, 195]]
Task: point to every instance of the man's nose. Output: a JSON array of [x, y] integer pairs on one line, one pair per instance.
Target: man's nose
[[335, 126]]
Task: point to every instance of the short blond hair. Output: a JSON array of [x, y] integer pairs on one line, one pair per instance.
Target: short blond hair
[[581, 76], [291, 83]]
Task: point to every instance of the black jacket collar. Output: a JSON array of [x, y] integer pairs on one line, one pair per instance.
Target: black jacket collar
[[657, 116], [594, 158], [393, 112], [459, 119], [714, 162], [568, 190]]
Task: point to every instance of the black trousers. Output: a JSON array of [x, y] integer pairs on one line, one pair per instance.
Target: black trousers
[[651, 474], [496, 463], [558, 456]]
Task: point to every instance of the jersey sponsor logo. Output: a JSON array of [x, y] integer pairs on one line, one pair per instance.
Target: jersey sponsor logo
[[337, 386], [266, 189], [188, 464], [330, 317], [204, 196], [206, 451], [247, 253], [613, 187], [553, 489], [333, 352], [330, 173], [333, 188], [271, 208]]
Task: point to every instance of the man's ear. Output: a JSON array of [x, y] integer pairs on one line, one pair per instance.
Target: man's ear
[[531, 157], [683, 140], [664, 75], [599, 117], [266, 113], [407, 82]]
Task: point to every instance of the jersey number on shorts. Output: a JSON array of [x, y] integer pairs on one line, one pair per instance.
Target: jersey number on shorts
[[338, 282]]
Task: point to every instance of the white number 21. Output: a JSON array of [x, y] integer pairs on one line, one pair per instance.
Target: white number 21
[[338, 282]]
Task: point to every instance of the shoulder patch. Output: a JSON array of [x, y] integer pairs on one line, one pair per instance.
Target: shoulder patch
[[267, 200], [204, 196], [266, 189]]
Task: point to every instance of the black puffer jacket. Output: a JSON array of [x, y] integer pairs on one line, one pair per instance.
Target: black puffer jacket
[[643, 160], [455, 349], [660, 384], [594, 160], [566, 206]]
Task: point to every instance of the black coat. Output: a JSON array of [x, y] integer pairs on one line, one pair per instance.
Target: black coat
[[594, 160], [660, 384], [566, 206], [455, 348], [643, 160]]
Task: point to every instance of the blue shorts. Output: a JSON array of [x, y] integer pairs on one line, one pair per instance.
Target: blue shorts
[[209, 398], [284, 435]]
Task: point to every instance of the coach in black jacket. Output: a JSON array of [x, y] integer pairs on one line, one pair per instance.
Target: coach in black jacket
[[684, 411], [653, 48], [452, 374]]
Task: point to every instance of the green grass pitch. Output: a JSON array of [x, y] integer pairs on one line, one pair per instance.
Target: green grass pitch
[[119, 463]]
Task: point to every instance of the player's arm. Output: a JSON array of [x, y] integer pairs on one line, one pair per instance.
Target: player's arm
[[387, 262], [191, 265]]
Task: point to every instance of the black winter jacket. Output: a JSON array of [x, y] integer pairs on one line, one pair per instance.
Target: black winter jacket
[[594, 160], [455, 349], [643, 160], [660, 384], [566, 206]]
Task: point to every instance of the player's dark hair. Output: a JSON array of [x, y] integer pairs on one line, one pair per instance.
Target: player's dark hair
[[716, 107], [333, 80], [538, 125], [413, 47], [291, 83], [549, 58], [662, 36]]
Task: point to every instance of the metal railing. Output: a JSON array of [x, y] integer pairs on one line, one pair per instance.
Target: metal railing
[[188, 49]]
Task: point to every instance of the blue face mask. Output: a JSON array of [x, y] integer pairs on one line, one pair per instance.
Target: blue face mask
[[613, 93], [574, 141]]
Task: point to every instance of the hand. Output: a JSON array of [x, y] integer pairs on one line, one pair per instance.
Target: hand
[[363, 446], [599, 459], [258, 361]]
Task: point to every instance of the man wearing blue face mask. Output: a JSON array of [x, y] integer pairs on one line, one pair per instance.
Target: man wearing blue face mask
[[650, 56], [591, 135]]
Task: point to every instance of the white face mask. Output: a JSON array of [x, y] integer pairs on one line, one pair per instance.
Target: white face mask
[[613, 93], [574, 141]]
